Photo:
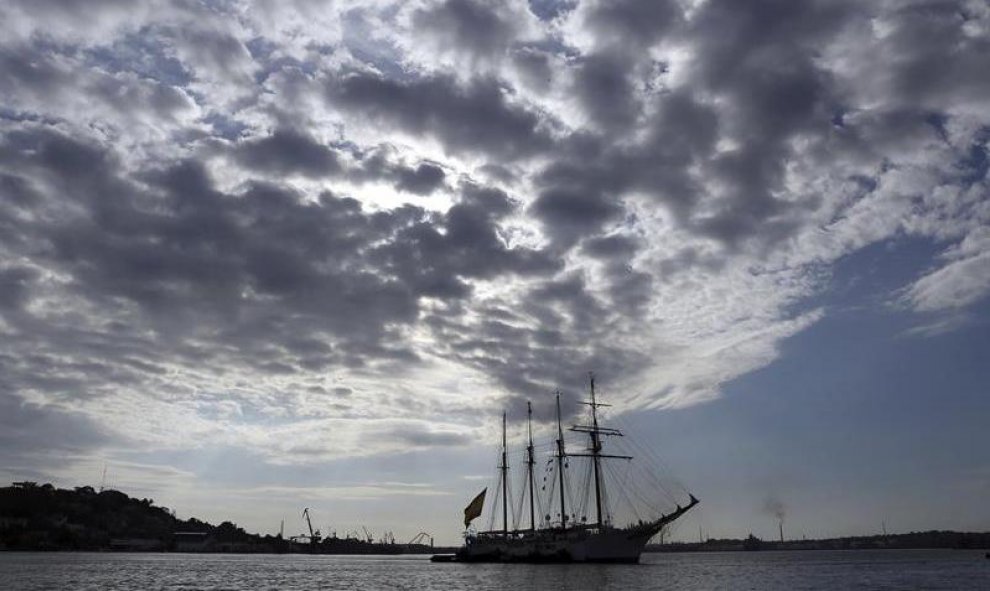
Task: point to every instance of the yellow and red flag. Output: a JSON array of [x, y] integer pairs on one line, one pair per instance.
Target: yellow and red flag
[[474, 508]]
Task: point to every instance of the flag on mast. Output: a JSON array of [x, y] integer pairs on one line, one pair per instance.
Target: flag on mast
[[474, 508]]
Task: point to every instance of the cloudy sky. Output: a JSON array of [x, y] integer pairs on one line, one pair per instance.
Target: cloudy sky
[[256, 256]]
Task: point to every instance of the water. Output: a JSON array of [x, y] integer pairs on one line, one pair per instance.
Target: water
[[866, 569]]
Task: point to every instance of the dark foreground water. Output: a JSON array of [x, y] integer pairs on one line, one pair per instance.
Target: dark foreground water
[[867, 569]]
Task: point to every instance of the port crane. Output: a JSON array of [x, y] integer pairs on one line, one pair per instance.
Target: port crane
[[420, 538], [314, 535]]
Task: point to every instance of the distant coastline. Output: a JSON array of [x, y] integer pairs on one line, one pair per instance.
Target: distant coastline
[[41, 517], [933, 539]]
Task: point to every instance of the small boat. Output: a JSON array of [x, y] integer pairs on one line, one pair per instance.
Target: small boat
[[570, 537]]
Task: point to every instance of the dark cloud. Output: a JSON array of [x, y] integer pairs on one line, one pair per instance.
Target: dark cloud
[[146, 260], [606, 78], [549, 340], [602, 82], [498, 172], [15, 284], [615, 246], [763, 66], [288, 151], [634, 23], [266, 276], [534, 67], [748, 205], [762, 62], [384, 164], [476, 117], [630, 291], [569, 214], [422, 180], [19, 197], [935, 56], [17, 191], [489, 201], [29, 433], [21, 68], [78, 10], [466, 25], [464, 243]]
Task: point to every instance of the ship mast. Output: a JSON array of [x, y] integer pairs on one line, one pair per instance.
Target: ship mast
[[530, 462], [596, 455], [560, 465], [505, 470], [596, 448]]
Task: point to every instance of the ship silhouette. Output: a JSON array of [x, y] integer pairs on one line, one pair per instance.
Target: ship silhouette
[[560, 536]]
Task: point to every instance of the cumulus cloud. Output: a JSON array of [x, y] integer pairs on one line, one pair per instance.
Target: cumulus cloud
[[474, 117], [287, 152], [268, 217]]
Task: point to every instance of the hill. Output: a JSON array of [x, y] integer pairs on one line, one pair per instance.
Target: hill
[[43, 517]]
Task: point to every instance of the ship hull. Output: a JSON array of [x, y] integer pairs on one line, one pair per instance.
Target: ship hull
[[611, 545], [570, 541]]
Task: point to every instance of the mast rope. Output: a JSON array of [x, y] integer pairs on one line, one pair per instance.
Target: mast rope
[[621, 485], [659, 466], [517, 515], [582, 507], [512, 507], [495, 505], [553, 490], [568, 489]]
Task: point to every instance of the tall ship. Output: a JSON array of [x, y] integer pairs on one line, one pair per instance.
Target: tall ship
[[570, 521]]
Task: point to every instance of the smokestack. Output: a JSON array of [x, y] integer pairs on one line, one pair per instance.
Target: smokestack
[[775, 507]]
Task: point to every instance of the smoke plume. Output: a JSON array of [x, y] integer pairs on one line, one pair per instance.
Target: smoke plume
[[775, 507]]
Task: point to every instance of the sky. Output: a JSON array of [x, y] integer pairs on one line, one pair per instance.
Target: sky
[[260, 256]]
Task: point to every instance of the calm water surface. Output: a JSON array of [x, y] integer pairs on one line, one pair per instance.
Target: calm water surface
[[886, 569]]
